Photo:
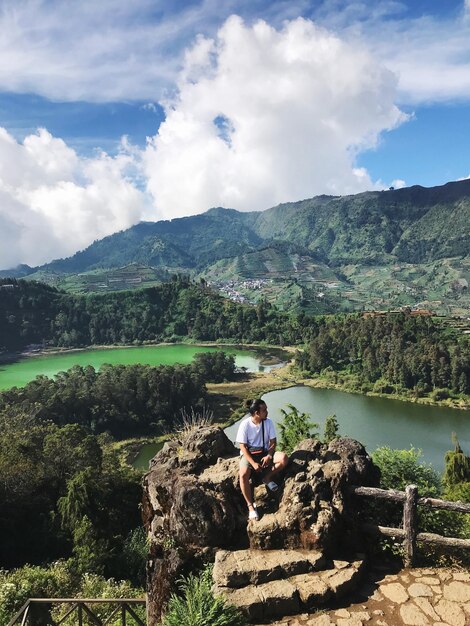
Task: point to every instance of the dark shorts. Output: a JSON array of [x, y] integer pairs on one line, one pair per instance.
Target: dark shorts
[[245, 463]]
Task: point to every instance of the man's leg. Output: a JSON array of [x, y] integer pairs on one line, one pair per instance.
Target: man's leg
[[280, 461], [245, 474]]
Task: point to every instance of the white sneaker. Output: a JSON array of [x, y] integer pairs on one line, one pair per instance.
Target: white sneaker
[[253, 514]]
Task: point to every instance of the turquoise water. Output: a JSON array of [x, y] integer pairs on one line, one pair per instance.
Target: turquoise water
[[26, 369]]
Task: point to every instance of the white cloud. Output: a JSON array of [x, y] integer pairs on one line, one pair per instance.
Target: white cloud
[[113, 50], [264, 116], [53, 203], [429, 54]]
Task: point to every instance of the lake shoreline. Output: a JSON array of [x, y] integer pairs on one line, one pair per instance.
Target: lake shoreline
[[14, 357], [258, 384], [280, 377]]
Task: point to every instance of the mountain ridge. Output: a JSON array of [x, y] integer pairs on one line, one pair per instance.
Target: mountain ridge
[[345, 235], [314, 223]]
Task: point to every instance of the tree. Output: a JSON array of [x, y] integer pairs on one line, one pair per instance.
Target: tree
[[457, 468], [400, 468], [331, 429], [295, 427], [90, 552]]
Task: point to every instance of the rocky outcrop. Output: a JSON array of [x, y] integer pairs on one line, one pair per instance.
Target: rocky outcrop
[[193, 506]]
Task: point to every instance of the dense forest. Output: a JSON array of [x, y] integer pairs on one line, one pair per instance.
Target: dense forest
[[387, 353], [33, 313], [394, 352], [64, 492], [123, 400]]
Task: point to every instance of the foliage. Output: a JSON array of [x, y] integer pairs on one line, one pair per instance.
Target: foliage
[[457, 468], [31, 313], [59, 481], [134, 555], [214, 367], [400, 468], [121, 399], [331, 429], [197, 606], [295, 427], [456, 480], [59, 580], [32, 581], [393, 352]]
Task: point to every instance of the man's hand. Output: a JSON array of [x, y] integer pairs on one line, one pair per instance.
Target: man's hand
[[256, 466], [266, 461]]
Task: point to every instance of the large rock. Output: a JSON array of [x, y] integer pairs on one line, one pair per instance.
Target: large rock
[[193, 505], [292, 580]]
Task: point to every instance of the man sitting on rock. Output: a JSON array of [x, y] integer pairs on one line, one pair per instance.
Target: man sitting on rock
[[257, 438]]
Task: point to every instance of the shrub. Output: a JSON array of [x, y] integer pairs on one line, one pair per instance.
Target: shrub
[[295, 427], [60, 580], [331, 429], [440, 394], [383, 386], [33, 581], [197, 606], [400, 468]]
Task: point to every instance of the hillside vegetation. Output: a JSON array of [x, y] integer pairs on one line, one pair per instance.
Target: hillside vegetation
[[333, 253]]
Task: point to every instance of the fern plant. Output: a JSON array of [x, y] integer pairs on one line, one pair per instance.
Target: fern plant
[[196, 605]]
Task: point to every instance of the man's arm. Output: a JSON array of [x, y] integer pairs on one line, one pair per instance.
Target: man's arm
[[266, 460]]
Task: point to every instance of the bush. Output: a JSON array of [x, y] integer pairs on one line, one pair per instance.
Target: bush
[[32, 581], [400, 468], [440, 394], [383, 386], [197, 606], [60, 580], [295, 427]]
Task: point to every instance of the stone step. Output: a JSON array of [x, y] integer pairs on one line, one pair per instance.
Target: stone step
[[297, 593], [244, 567]]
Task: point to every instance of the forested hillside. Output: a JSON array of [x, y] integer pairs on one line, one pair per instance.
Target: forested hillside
[[31, 313], [381, 250], [398, 352], [414, 224], [390, 353]]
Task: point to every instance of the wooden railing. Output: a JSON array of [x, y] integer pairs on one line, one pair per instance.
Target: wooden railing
[[409, 532], [37, 612]]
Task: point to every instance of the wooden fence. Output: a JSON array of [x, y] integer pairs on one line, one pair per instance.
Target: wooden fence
[[37, 612], [409, 533]]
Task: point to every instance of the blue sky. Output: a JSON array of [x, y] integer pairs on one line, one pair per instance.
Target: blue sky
[[110, 112]]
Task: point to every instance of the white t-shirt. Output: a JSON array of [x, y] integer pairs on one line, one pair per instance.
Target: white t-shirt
[[252, 434]]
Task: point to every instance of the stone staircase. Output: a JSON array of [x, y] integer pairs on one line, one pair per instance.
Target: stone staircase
[[267, 584]]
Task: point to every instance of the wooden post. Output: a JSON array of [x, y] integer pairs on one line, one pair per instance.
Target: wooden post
[[410, 525], [80, 614]]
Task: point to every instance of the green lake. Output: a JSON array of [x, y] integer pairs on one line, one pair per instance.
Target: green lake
[[373, 421], [27, 368]]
